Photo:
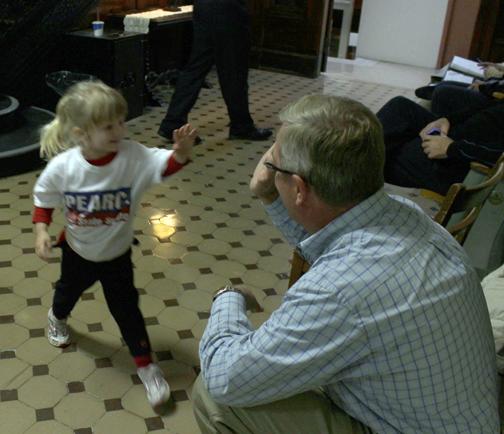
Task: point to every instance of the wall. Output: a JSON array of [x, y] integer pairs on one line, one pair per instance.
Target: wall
[[402, 31], [459, 29]]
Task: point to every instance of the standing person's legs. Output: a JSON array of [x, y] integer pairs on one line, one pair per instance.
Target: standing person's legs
[[231, 35], [402, 120], [309, 412], [116, 277], [192, 76], [448, 99]]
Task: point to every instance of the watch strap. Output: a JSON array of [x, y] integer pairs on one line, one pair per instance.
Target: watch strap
[[227, 288]]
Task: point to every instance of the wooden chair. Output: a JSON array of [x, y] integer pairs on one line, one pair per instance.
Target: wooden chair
[[459, 210], [462, 204], [299, 266]]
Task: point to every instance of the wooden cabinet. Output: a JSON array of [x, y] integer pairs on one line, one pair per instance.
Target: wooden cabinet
[[116, 58], [288, 35]]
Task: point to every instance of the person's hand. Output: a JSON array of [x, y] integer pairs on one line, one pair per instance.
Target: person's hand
[[442, 124], [475, 85], [183, 142], [262, 183], [436, 147], [486, 65], [43, 246], [251, 302]]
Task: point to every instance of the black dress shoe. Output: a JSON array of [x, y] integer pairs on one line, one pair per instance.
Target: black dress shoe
[[168, 136], [255, 134], [425, 92]]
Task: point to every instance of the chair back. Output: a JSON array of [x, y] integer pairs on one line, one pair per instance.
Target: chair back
[[299, 266], [466, 202]]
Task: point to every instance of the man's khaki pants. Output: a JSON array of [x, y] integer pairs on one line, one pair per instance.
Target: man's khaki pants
[[306, 413]]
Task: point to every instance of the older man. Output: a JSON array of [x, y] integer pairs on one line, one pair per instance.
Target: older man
[[388, 329]]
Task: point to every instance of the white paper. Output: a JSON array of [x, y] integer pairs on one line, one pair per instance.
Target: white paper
[[457, 76], [466, 66]]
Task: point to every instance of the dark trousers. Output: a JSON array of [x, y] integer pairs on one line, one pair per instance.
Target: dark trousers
[[116, 277], [221, 36], [449, 97], [406, 164]]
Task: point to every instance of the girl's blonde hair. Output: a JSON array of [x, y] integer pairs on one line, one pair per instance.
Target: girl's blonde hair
[[85, 105]]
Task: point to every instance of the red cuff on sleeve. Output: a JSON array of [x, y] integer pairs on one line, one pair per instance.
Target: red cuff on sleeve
[[173, 166], [42, 215]]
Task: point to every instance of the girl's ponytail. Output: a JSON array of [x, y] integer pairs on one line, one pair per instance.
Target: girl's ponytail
[[53, 140]]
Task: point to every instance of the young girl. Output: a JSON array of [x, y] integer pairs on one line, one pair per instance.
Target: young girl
[[98, 179]]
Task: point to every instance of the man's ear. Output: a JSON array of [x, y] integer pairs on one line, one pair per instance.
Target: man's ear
[[302, 190]]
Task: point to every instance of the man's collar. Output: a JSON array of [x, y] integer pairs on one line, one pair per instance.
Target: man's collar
[[357, 217]]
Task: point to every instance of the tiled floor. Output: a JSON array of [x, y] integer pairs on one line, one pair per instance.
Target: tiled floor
[[197, 232], [374, 71]]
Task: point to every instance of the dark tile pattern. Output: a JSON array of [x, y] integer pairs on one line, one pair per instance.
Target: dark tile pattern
[[40, 370], [206, 211], [42, 414]]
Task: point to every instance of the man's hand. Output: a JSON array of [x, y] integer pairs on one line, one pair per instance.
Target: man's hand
[[183, 142], [442, 124], [251, 302], [43, 245], [436, 147], [262, 183]]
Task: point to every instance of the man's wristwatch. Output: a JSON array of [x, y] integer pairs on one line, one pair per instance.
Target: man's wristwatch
[[227, 288]]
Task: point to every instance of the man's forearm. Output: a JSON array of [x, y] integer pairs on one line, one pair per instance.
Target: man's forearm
[[293, 232]]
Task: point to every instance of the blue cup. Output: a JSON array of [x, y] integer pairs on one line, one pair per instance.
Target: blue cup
[[97, 27]]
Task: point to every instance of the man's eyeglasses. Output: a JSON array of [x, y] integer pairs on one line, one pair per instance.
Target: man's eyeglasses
[[271, 166]]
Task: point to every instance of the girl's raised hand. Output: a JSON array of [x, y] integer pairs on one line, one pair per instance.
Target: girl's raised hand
[[183, 142]]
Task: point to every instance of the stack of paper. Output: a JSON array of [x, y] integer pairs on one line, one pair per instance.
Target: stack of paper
[[463, 71], [451, 75], [466, 66]]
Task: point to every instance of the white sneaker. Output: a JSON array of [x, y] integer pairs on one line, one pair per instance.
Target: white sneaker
[[158, 391], [57, 331]]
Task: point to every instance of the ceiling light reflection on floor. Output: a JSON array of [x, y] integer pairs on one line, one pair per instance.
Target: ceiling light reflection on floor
[[164, 225]]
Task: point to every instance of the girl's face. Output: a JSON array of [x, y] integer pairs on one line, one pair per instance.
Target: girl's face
[[103, 139]]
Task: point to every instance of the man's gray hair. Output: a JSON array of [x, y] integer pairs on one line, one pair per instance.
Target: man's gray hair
[[336, 145]]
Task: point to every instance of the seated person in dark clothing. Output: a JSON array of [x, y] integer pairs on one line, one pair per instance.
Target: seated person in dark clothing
[[415, 157], [447, 96], [451, 97]]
